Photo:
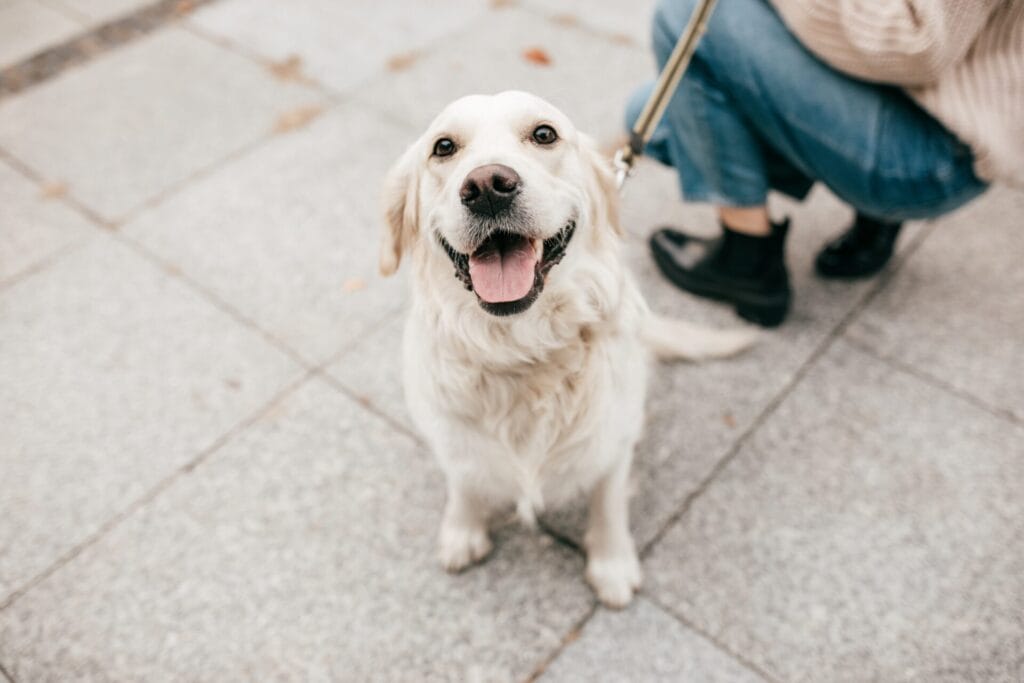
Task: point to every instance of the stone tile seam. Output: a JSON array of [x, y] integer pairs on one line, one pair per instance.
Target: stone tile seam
[[156, 489], [172, 270], [43, 263], [718, 645], [242, 152], [318, 368], [390, 316], [393, 422], [570, 637], [67, 198], [239, 50], [773, 404], [998, 412], [90, 43]]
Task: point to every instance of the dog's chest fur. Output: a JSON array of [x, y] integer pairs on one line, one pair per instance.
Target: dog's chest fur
[[539, 409], [530, 406]]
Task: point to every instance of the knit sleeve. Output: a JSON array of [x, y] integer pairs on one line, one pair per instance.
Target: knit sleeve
[[905, 42]]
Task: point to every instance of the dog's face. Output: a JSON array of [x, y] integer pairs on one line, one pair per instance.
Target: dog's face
[[497, 185]]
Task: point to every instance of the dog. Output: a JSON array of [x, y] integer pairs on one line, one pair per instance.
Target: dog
[[527, 345]]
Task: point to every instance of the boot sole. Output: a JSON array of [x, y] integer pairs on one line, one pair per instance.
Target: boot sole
[[763, 310]]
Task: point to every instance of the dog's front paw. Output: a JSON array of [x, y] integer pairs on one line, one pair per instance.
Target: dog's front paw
[[462, 546], [614, 579]]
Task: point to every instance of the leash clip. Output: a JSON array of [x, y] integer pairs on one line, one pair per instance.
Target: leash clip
[[623, 163]]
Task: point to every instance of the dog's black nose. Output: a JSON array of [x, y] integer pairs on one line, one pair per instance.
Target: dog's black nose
[[489, 190]]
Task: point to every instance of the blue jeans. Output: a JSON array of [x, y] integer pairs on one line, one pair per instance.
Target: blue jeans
[[757, 111]]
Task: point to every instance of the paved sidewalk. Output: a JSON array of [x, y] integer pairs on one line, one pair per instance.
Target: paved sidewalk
[[207, 472]]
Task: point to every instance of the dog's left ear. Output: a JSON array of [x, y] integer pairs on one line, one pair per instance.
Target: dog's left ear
[[604, 194], [401, 210]]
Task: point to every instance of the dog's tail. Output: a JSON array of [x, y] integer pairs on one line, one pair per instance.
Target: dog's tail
[[672, 339]]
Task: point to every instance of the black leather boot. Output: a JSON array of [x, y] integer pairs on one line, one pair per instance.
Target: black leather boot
[[862, 250], [744, 270]]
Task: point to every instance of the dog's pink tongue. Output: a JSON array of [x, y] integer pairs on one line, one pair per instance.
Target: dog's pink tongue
[[507, 276]]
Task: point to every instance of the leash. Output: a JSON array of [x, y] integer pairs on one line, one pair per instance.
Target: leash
[[668, 81]]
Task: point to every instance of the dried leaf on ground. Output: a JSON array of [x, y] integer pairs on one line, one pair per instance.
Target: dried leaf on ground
[[536, 55], [296, 118], [402, 61], [502, 4], [354, 284], [288, 69], [184, 7], [53, 190], [566, 19]]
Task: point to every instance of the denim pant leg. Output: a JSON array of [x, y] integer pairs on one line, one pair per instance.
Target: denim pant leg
[[757, 110]]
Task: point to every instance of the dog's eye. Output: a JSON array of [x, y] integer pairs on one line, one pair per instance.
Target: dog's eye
[[444, 147], [544, 135]]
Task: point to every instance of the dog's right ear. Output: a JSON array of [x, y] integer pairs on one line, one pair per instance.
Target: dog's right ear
[[401, 210]]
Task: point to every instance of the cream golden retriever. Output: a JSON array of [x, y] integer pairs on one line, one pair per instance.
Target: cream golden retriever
[[526, 350]]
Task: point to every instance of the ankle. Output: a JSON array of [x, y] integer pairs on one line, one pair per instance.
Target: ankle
[[746, 220]]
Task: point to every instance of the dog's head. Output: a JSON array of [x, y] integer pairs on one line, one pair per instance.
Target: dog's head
[[502, 187]]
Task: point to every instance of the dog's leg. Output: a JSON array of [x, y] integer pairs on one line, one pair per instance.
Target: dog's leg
[[613, 568], [464, 538]]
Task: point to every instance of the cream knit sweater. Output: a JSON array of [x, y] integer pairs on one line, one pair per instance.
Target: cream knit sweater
[[961, 60]]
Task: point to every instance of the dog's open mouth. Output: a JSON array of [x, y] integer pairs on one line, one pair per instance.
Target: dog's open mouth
[[507, 271]]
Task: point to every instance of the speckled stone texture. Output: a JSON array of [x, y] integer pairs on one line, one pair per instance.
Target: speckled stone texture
[[344, 45], [956, 313], [867, 532], [301, 550], [472, 61], [643, 643], [289, 235], [34, 224], [114, 376], [137, 121]]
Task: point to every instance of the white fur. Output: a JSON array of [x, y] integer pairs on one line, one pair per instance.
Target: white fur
[[530, 410]]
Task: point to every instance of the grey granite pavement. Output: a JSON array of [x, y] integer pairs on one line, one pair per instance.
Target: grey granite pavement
[[206, 469]]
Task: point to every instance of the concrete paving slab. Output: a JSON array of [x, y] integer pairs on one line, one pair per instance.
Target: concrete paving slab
[[34, 224], [301, 550], [340, 44], [643, 643], [28, 26], [114, 376], [589, 76], [955, 312], [100, 11], [861, 535], [289, 235], [626, 21], [372, 370], [134, 122]]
